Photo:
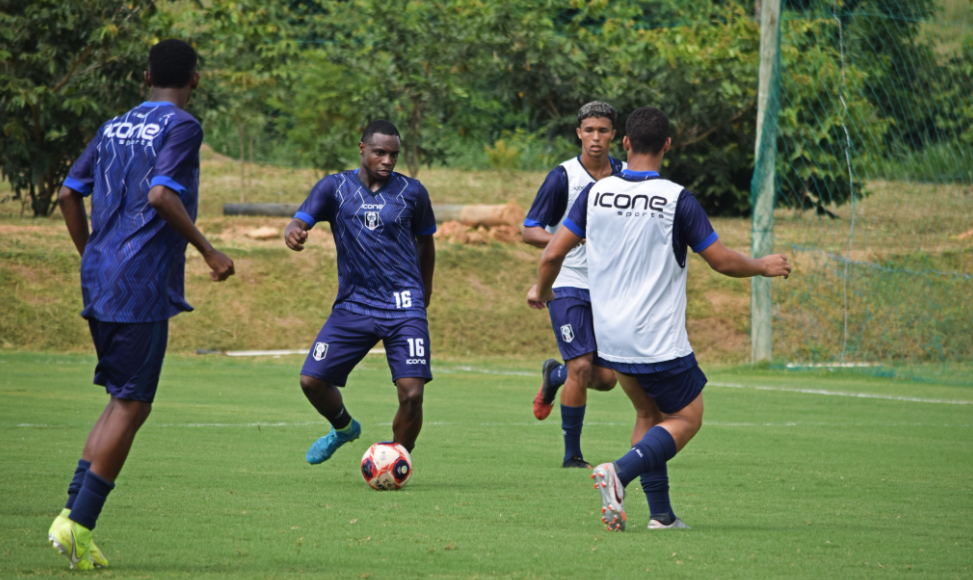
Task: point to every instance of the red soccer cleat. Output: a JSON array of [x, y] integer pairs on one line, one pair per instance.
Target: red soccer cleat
[[544, 401]]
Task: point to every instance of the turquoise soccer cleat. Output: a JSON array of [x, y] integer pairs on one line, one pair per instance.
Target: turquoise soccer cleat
[[324, 448]]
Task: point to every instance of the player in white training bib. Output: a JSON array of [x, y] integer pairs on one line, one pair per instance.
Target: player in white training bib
[[638, 228], [571, 311]]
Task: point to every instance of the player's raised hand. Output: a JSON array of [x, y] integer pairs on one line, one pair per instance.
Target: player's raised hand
[[775, 265], [220, 263], [295, 238], [535, 300]]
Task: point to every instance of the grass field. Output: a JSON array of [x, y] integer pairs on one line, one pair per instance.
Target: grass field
[[779, 483]]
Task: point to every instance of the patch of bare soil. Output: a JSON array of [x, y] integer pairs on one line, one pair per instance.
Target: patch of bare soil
[[455, 232]]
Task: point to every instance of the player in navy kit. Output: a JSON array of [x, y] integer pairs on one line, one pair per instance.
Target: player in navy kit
[[383, 227], [571, 311], [639, 228], [142, 173]]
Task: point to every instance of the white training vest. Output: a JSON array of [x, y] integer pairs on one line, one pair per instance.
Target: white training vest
[[574, 270], [638, 290]]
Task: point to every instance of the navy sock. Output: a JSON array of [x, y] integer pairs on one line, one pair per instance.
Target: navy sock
[[655, 484], [91, 499], [558, 376], [653, 450], [339, 419], [572, 418], [77, 482]]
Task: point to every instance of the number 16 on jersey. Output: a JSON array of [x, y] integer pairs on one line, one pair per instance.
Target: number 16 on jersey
[[403, 299]]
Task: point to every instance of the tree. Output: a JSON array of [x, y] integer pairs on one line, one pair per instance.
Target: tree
[[406, 64], [65, 68]]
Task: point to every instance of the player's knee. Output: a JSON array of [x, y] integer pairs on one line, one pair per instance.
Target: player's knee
[[410, 392], [603, 379], [580, 370], [311, 385]]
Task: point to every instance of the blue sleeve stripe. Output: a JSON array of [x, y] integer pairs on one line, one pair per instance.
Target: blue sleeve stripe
[[529, 223], [168, 182], [310, 221], [78, 186], [705, 243], [427, 232], [573, 227]]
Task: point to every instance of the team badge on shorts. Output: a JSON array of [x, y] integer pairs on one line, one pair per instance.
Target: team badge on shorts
[[567, 333], [320, 350], [371, 220]]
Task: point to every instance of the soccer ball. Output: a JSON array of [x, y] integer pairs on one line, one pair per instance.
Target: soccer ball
[[386, 465]]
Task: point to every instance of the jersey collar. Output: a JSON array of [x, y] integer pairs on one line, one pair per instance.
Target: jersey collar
[[639, 174], [381, 190], [156, 104]]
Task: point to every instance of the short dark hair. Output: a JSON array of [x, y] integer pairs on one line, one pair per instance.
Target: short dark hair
[[172, 63], [597, 109], [647, 129], [380, 127]]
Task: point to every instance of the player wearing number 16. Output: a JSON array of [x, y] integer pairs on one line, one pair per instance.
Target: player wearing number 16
[[382, 223]]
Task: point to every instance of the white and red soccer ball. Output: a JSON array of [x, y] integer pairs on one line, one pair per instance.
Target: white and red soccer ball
[[386, 465]]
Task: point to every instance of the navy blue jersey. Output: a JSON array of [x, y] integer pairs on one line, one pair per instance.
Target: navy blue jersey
[[691, 227], [133, 268], [375, 234], [552, 201]]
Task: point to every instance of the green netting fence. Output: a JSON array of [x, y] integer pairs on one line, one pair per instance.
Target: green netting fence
[[874, 182]]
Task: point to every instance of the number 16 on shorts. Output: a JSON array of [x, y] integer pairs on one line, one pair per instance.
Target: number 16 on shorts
[[417, 347]]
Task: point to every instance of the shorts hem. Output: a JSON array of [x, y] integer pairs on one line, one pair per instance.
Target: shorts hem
[[321, 377], [412, 376]]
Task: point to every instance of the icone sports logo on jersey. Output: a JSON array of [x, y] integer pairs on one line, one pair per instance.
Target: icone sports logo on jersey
[[126, 130], [415, 361], [623, 201]]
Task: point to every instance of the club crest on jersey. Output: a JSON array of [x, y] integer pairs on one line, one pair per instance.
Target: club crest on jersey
[[371, 220], [567, 333], [320, 350]]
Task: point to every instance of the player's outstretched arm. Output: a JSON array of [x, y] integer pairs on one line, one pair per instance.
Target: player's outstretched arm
[[734, 264], [168, 205], [72, 208], [541, 293], [296, 234], [426, 247]]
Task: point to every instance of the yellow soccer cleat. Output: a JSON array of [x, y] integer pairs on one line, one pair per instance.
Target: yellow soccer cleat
[[73, 541], [97, 558]]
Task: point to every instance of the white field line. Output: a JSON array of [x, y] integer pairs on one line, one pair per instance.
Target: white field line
[[840, 394]]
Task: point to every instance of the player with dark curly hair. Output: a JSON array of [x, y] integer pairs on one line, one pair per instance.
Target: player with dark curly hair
[[571, 310]]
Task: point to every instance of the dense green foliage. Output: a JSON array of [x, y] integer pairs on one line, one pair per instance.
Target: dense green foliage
[[65, 68], [295, 82]]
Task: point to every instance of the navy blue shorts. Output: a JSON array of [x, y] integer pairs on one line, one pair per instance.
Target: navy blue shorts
[[573, 328], [129, 357], [347, 337], [672, 392]]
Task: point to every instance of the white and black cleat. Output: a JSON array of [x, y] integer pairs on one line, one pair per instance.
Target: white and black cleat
[[612, 496], [677, 524]]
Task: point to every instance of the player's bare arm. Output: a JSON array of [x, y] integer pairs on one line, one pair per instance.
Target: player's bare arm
[[295, 236], [736, 265], [426, 247], [72, 208], [542, 292], [170, 208], [536, 236]]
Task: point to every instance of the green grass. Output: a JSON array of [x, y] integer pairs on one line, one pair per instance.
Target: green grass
[[777, 484]]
